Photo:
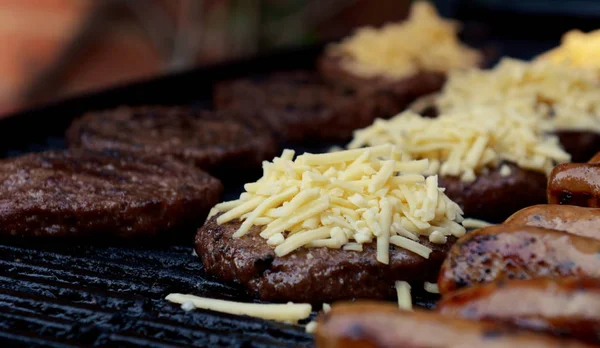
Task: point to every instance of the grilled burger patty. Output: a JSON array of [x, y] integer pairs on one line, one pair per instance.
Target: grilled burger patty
[[80, 193], [404, 90], [298, 107], [493, 197], [218, 146], [310, 274]]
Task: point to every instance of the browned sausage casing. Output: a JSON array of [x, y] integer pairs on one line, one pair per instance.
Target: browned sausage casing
[[517, 252], [595, 159], [575, 184], [371, 324], [566, 306], [569, 218]]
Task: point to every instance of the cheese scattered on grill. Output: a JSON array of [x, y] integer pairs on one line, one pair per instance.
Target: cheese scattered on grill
[[475, 223], [577, 50], [424, 42], [290, 312], [568, 97], [404, 297], [344, 200], [431, 287], [311, 327], [466, 143]]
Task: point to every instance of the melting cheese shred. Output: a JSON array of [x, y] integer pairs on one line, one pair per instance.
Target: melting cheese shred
[[345, 199], [290, 312], [466, 143], [567, 97], [425, 41], [404, 297]]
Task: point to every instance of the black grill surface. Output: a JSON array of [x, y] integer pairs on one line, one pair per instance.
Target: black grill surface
[[58, 295]]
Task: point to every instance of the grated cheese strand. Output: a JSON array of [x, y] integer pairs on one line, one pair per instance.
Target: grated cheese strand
[[404, 297], [289, 312]]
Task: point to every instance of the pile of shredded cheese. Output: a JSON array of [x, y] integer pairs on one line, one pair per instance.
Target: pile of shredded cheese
[[577, 49], [424, 42], [568, 97], [346, 199], [465, 144]]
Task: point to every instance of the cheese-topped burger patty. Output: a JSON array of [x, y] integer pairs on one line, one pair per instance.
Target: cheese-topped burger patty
[[332, 226], [220, 146], [299, 107], [566, 98], [409, 59], [491, 166], [80, 193]]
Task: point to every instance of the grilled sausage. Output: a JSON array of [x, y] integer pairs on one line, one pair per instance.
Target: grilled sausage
[[371, 324], [522, 252], [595, 159], [568, 218], [566, 306], [575, 184]]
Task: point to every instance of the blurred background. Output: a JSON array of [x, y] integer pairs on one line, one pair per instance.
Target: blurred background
[[50, 49]]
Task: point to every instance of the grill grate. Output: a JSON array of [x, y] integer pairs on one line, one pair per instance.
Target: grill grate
[[66, 296]]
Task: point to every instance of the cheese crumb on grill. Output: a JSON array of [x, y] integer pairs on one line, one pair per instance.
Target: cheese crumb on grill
[[568, 98], [346, 199], [423, 42], [311, 327], [577, 49], [290, 312], [465, 144], [431, 287], [188, 306], [475, 223], [404, 297]]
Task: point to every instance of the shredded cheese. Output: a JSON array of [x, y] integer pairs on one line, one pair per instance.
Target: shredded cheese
[[424, 42], [475, 223], [290, 312], [344, 200], [568, 98], [467, 143], [577, 49], [404, 297], [431, 287], [311, 327]]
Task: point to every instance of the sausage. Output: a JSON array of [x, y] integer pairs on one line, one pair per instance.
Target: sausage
[[566, 306], [521, 252], [575, 184], [568, 218], [371, 324], [595, 159]]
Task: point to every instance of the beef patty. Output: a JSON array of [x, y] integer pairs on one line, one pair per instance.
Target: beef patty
[[493, 197], [404, 90], [314, 274], [222, 147], [80, 193], [298, 107]]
